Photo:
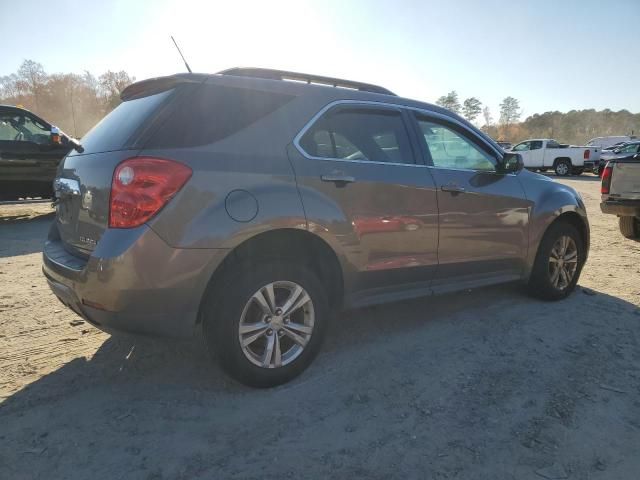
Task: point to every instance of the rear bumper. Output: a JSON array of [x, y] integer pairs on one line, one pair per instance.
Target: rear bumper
[[622, 208], [132, 282]]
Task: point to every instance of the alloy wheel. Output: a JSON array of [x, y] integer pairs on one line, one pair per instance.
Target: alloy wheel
[[563, 262], [276, 324], [562, 169]]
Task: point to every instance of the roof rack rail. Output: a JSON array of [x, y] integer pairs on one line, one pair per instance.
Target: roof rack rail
[[270, 74]]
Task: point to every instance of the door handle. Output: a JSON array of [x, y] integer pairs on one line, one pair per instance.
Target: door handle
[[452, 188], [338, 178]]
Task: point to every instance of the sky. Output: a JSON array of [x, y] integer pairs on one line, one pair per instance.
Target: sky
[[549, 54]]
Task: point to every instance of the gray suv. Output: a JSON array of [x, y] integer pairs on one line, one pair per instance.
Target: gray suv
[[255, 203]]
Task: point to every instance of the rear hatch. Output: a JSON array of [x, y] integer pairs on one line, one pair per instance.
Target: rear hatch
[[625, 181], [83, 183]]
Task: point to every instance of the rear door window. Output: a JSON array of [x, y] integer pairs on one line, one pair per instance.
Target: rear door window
[[362, 134]]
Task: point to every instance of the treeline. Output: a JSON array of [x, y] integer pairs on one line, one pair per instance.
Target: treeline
[[76, 102], [575, 127], [73, 102]]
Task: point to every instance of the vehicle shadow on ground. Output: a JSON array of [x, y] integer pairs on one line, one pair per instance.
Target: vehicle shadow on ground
[[22, 234], [153, 362], [462, 356]]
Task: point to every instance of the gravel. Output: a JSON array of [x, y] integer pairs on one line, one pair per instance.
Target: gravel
[[482, 385]]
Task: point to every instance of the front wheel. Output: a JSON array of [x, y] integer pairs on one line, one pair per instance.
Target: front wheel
[[629, 227], [558, 263], [267, 322], [563, 168]]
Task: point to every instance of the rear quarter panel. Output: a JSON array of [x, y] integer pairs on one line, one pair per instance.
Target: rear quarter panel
[[260, 194]]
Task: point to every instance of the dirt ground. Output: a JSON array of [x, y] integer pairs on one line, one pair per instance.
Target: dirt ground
[[488, 384]]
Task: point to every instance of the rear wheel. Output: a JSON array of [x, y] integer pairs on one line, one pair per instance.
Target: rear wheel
[[629, 227], [558, 263], [267, 322], [562, 168]]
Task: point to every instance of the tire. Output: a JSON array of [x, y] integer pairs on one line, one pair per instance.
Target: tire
[[629, 227], [562, 168], [541, 283], [235, 304]]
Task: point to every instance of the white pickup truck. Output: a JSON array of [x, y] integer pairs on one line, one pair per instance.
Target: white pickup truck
[[621, 193], [544, 154]]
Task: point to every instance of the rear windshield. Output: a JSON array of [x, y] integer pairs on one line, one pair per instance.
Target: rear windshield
[[118, 129], [213, 113]]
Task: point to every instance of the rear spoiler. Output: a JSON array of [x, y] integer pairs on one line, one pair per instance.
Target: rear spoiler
[[154, 85]]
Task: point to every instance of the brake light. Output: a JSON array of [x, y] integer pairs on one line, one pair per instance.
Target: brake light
[[587, 154], [141, 186], [606, 179]]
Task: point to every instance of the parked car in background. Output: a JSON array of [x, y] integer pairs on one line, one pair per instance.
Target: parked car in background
[[612, 147], [621, 193], [255, 207], [604, 142], [621, 151], [544, 154], [30, 150], [504, 145]]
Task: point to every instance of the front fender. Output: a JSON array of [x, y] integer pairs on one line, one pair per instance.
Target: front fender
[[550, 200]]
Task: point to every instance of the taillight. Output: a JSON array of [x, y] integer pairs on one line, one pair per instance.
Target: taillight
[[141, 186], [607, 173], [587, 154]]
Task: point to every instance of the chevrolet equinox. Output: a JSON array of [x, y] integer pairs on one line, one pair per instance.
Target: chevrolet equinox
[[254, 203]]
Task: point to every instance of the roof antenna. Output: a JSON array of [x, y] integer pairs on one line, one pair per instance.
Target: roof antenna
[[185, 62]]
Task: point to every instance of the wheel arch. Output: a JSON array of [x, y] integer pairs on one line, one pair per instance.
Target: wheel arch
[[558, 159], [286, 244], [571, 214]]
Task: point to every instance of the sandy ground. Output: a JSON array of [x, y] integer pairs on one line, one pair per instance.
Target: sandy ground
[[489, 384]]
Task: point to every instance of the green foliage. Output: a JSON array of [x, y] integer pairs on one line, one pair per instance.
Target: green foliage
[[509, 111], [449, 101], [471, 108], [579, 126]]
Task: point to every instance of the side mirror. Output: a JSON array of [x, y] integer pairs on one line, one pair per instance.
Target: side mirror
[[637, 156], [511, 163]]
